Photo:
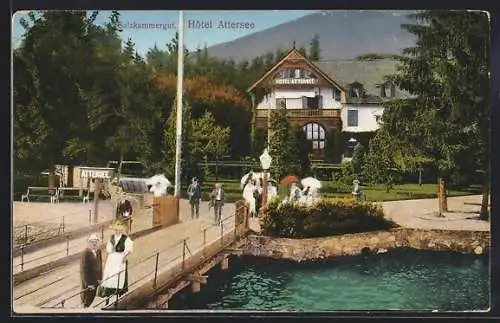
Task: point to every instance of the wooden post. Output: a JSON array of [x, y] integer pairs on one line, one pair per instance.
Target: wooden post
[[224, 264], [264, 193], [204, 242], [22, 257], [443, 207], [67, 245], [485, 201], [195, 287], [183, 254], [97, 191], [156, 268]]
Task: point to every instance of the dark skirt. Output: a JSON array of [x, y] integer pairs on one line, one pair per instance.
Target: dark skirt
[[105, 292], [87, 297]]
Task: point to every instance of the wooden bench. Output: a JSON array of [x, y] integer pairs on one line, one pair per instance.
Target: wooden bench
[[83, 194], [36, 191]]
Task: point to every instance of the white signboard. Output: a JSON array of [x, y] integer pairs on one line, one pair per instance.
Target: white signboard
[[96, 173], [295, 81]]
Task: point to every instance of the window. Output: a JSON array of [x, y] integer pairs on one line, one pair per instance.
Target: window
[[336, 94], [352, 118], [311, 103], [281, 103], [295, 73], [383, 92], [356, 90], [316, 134]]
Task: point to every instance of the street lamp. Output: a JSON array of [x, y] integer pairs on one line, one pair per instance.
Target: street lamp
[[265, 162]]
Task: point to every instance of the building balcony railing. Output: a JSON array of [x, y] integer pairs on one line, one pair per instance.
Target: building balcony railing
[[301, 113]]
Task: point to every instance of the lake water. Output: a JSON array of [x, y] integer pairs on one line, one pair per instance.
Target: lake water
[[401, 279]]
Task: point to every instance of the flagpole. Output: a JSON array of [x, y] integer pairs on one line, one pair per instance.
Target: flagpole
[[180, 72]]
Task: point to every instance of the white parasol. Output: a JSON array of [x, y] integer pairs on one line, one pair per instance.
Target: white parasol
[[311, 182], [159, 184], [244, 179]]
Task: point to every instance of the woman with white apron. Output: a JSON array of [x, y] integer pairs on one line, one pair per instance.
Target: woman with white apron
[[115, 275]]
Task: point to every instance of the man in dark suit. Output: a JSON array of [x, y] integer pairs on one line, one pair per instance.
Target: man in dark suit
[[218, 197], [90, 270], [194, 194]]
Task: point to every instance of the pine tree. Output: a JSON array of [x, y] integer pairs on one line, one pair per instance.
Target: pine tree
[[315, 49]]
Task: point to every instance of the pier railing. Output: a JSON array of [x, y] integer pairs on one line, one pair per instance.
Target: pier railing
[[175, 257], [64, 250]]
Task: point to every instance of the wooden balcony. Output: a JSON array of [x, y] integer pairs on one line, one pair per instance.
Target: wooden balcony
[[330, 119], [303, 113]]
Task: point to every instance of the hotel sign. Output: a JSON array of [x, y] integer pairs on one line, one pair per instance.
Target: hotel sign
[[92, 172], [295, 81]]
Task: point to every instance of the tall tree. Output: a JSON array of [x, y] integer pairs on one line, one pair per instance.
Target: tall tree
[[315, 49], [278, 145], [209, 139], [448, 72]]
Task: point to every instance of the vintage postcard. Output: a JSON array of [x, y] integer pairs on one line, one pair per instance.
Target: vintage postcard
[[250, 161]]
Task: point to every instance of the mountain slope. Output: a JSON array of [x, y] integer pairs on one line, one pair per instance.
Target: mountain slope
[[342, 34]]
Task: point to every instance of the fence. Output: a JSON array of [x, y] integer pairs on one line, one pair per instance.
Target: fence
[[172, 261], [64, 251]]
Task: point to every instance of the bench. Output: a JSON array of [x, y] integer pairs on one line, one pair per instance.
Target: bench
[[69, 192], [36, 191]]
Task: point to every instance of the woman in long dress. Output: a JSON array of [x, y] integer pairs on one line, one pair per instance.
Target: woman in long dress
[[248, 193], [115, 275]]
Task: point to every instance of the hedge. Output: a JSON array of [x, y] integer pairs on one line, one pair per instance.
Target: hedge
[[330, 216]]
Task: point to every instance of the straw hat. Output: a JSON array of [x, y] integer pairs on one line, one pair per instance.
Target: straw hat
[[119, 225], [93, 237]]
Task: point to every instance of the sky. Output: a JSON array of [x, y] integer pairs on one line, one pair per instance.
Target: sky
[[147, 28]]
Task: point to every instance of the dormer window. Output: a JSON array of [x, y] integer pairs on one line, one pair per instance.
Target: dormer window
[[387, 89], [356, 90]]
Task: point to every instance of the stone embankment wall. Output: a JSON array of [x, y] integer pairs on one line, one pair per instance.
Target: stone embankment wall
[[473, 242]]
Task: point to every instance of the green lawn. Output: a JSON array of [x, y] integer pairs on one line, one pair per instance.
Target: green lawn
[[334, 189], [399, 192]]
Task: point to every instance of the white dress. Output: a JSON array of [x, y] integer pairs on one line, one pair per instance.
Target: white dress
[[248, 196], [111, 281]]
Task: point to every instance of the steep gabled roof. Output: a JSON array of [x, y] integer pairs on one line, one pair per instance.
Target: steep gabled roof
[[295, 54]]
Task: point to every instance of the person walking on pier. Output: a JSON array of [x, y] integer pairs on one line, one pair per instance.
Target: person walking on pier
[[194, 195], [119, 247], [90, 270], [217, 196]]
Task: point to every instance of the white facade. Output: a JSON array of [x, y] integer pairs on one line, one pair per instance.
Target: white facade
[[294, 98], [366, 118]]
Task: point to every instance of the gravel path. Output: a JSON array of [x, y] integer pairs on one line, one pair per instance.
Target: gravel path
[[463, 214]]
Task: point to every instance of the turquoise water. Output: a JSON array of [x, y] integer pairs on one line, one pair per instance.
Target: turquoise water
[[404, 279]]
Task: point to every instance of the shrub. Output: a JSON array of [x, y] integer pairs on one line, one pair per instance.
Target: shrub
[[330, 216]]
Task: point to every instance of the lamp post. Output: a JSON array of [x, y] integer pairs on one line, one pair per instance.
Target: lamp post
[[265, 162]]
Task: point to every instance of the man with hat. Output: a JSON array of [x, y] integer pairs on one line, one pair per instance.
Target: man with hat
[[119, 247], [194, 195], [90, 270]]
